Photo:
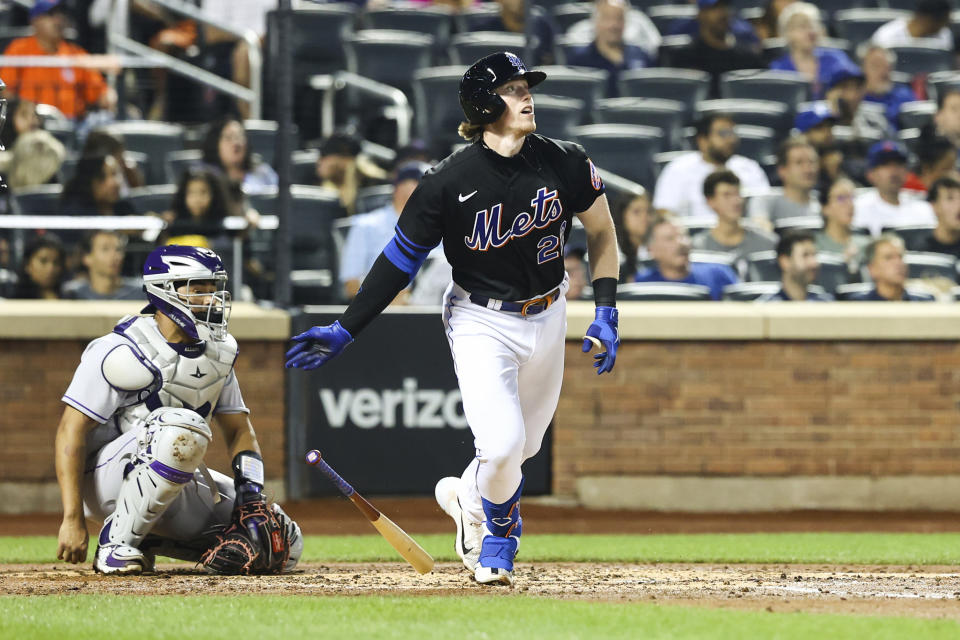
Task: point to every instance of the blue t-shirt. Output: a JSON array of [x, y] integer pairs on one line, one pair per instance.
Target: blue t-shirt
[[892, 101], [711, 275], [589, 56], [828, 61]]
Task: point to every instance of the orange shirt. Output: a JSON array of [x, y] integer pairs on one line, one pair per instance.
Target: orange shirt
[[69, 89]]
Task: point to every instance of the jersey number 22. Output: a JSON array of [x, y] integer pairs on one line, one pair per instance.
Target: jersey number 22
[[551, 247]]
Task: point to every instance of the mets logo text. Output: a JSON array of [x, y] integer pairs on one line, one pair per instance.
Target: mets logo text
[[486, 227], [595, 177]]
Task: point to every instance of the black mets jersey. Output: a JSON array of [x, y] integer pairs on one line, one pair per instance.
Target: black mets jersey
[[503, 221]]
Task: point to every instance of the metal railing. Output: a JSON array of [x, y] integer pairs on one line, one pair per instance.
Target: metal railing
[[331, 84]]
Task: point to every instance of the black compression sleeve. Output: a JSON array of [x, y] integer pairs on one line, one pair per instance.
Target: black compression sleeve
[[379, 288], [605, 292]]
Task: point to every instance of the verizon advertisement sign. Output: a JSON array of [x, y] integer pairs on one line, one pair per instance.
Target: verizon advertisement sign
[[386, 413]]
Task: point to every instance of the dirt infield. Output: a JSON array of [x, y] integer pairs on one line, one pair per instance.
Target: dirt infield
[[930, 592]]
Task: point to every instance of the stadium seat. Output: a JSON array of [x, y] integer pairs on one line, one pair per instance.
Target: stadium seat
[[834, 272], [695, 225], [370, 198], [570, 13], [317, 39], [687, 86], [556, 115], [436, 107], [758, 143], [760, 113], [179, 161], [914, 236], [156, 139], [314, 257], [911, 139], [663, 291], [851, 291], [663, 16], [921, 264], [787, 87], [762, 266], [468, 47], [859, 25], [581, 83], [660, 160], [262, 138], [669, 47], [304, 165], [153, 199], [810, 224], [43, 199], [566, 45], [713, 257], [65, 132], [667, 115], [435, 20], [388, 56], [473, 17], [919, 58], [626, 150], [749, 291]]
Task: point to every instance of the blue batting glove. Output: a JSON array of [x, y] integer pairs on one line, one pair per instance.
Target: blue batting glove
[[317, 345], [604, 330]]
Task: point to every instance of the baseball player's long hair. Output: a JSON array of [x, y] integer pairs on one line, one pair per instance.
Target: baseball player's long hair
[[470, 132]]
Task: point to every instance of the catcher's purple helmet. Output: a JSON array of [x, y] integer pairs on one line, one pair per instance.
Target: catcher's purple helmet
[[169, 268]]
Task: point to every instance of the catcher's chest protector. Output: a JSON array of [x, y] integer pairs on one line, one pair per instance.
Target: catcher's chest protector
[[192, 381]]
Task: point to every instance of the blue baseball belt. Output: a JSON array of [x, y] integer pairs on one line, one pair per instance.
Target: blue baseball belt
[[530, 307]]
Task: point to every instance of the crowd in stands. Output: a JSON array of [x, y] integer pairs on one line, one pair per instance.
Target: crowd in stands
[[796, 148]]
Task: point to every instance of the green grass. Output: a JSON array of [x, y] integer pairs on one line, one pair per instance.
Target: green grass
[[218, 617], [802, 548]]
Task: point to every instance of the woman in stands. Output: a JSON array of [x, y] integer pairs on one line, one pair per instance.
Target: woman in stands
[[631, 217], [42, 271], [799, 23], [226, 148], [199, 206], [94, 189], [837, 236], [100, 142]]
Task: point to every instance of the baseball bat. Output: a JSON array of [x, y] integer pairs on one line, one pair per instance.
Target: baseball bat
[[397, 537]]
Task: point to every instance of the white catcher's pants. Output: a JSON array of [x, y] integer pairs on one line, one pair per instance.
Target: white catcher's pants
[[510, 369], [190, 514]]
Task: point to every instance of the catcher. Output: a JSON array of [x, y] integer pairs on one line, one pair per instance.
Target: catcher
[[131, 441]]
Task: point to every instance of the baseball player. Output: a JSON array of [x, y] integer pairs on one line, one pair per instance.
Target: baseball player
[[503, 207], [131, 441]]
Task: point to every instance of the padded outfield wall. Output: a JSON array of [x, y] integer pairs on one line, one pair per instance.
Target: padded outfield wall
[[712, 406]]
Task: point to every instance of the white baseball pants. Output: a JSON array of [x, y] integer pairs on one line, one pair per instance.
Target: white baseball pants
[[509, 368]]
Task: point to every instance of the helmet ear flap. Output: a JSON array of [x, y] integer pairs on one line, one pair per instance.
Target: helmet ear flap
[[489, 105]]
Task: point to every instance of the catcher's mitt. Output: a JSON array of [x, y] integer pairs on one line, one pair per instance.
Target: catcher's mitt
[[256, 542]]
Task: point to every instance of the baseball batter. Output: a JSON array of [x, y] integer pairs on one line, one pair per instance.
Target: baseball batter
[[132, 438], [503, 207]]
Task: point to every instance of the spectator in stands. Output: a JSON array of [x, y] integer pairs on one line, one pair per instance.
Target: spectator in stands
[[879, 87], [816, 125], [722, 192], [576, 268], [888, 270], [370, 232], [797, 258], [937, 158], [101, 255], [930, 22], [23, 118], [800, 24], [680, 185], [72, 90], [837, 236], [36, 159], [512, 18], [631, 218], [225, 147], [608, 51], [94, 189], [768, 24], [740, 29], [199, 206], [42, 271], [884, 205], [99, 142], [798, 166], [844, 96], [669, 246], [638, 29], [337, 168], [715, 49], [946, 122], [944, 197]]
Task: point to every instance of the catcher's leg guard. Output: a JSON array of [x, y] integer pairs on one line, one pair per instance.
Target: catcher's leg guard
[[171, 448]]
